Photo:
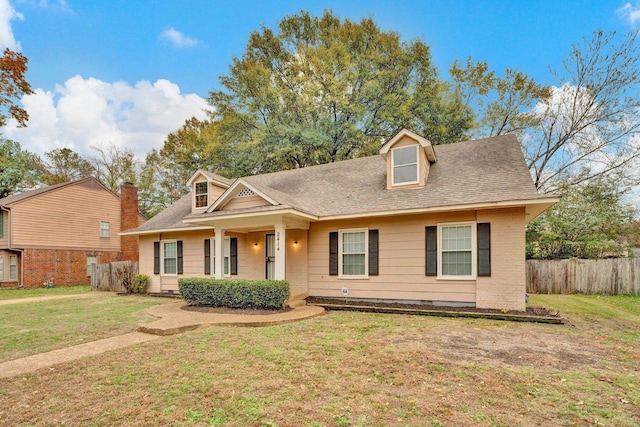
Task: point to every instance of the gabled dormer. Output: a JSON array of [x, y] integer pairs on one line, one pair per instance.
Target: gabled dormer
[[206, 187], [409, 157]]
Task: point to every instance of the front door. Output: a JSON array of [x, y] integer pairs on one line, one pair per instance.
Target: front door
[[270, 256]]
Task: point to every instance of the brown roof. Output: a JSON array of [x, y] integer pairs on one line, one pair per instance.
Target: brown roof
[[472, 172]]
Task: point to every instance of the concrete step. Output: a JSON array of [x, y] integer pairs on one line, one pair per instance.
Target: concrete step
[[297, 300]]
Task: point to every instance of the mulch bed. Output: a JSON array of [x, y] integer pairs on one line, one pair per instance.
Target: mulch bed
[[531, 311], [227, 310]]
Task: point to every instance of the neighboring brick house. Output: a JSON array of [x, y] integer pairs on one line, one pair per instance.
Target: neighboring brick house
[[418, 223], [54, 233]]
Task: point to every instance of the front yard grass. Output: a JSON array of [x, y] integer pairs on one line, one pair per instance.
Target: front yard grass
[[37, 327], [357, 369], [42, 292]]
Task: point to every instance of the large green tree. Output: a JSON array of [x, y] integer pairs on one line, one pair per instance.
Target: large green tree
[[18, 168], [591, 220], [63, 165], [323, 89]]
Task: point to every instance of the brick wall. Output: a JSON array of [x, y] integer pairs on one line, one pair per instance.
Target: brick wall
[[65, 267], [128, 220]]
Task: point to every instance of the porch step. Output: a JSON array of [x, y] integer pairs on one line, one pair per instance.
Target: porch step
[[297, 300]]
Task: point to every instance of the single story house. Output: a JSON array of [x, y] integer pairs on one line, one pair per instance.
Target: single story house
[[417, 223], [54, 234]]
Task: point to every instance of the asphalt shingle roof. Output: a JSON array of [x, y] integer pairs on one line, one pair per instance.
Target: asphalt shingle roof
[[480, 171]]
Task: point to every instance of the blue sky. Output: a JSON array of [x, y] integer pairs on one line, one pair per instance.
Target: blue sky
[[129, 72]]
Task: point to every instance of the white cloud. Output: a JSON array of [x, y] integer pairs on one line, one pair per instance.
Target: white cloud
[[177, 38], [7, 14], [89, 112], [629, 13]]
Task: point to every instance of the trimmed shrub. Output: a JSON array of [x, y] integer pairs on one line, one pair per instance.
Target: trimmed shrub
[[266, 294], [140, 282]]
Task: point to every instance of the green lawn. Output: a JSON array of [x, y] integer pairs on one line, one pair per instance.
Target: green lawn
[[357, 369], [37, 327], [42, 292]]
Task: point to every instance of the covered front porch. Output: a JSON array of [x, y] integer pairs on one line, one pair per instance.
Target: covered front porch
[[269, 246]]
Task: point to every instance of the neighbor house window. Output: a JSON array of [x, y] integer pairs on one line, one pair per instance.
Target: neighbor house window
[[1, 267], [457, 250], [170, 257], [201, 195], [1, 224], [353, 253], [13, 267], [91, 261], [105, 229], [405, 165]]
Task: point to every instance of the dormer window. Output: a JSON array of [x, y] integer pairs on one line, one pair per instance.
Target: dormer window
[[201, 194], [405, 165]]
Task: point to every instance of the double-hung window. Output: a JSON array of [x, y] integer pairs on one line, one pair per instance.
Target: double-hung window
[[1, 224], [457, 254], [1, 267], [13, 267], [226, 261], [170, 257], [105, 229], [405, 165], [353, 254], [91, 261], [201, 194]]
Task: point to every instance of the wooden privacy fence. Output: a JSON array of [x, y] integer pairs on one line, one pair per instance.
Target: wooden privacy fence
[[613, 276], [115, 276]]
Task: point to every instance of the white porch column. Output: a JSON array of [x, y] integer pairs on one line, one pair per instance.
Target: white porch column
[[281, 252], [218, 246]]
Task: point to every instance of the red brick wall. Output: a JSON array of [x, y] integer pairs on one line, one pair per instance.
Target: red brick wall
[[129, 220], [65, 267]]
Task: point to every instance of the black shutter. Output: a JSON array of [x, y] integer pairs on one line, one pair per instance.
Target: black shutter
[[431, 250], [156, 257], [373, 252], [207, 256], [179, 247], [233, 256], [484, 249], [333, 253]]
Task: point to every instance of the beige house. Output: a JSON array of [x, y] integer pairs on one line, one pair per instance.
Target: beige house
[[53, 234], [417, 223]]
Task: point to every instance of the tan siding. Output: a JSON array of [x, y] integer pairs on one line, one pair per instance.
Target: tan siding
[[4, 240], [296, 268], [402, 265], [215, 191], [145, 266], [245, 202], [506, 286], [423, 164], [68, 217]]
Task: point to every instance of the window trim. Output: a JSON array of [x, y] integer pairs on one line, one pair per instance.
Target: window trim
[[162, 243], [341, 274], [474, 250], [15, 275], [196, 194], [393, 167], [107, 229]]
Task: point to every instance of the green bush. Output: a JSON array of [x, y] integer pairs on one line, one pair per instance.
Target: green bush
[[140, 282], [267, 294]]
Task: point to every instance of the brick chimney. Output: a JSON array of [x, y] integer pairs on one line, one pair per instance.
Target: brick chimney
[[128, 220]]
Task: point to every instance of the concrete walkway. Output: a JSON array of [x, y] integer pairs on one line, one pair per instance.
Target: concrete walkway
[[172, 320], [45, 360], [47, 298]]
